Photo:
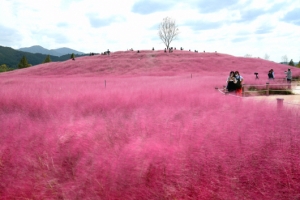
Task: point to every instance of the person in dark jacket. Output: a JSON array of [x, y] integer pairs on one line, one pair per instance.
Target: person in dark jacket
[[271, 74], [231, 81]]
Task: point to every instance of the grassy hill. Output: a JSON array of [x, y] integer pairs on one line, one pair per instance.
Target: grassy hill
[[158, 63], [139, 126]]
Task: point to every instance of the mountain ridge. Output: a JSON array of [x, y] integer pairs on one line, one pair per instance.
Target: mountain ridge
[[11, 57], [54, 52]]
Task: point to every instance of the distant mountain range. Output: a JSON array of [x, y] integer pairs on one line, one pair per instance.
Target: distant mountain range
[[54, 52], [12, 57]]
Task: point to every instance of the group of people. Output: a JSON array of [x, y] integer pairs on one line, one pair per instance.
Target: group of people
[[234, 82], [271, 75]]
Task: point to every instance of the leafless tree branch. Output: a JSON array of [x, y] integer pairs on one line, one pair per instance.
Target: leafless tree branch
[[168, 31]]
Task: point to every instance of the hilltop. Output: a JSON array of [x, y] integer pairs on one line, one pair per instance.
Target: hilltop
[[156, 63]]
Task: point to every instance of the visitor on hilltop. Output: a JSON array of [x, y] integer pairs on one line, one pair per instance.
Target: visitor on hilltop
[[231, 82], [153, 49], [271, 74], [239, 83], [165, 50], [181, 48], [288, 76]]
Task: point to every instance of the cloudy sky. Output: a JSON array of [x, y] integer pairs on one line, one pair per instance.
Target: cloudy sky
[[236, 27]]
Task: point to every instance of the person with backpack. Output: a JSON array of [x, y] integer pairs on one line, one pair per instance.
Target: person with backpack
[[239, 83]]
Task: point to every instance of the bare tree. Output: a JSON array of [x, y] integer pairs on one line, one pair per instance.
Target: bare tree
[[267, 57], [284, 59], [168, 30], [248, 55]]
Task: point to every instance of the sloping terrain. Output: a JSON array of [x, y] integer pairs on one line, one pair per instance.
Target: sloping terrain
[[146, 125], [157, 63]]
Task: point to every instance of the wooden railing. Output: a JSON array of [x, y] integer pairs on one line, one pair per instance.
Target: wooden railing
[[266, 89]]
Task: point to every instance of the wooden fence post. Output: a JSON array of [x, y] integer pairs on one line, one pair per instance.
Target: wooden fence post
[[267, 88], [279, 103], [243, 91]]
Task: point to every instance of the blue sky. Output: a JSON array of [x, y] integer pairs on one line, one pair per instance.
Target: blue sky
[[236, 27]]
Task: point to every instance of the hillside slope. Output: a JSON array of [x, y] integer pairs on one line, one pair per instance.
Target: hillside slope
[[157, 63]]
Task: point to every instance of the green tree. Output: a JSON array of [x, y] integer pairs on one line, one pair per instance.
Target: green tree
[[291, 63], [3, 68], [298, 65], [72, 56], [48, 59], [23, 63]]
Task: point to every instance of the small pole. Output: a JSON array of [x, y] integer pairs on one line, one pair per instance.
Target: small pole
[[279, 103], [290, 85], [243, 91], [191, 76], [267, 87], [105, 83]]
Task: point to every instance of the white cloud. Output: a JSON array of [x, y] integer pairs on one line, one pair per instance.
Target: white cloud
[[234, 27]]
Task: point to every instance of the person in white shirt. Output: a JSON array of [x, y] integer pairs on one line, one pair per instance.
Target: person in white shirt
[[289, 76]]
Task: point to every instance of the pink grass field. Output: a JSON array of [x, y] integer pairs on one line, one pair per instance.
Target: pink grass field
[[158, 129]]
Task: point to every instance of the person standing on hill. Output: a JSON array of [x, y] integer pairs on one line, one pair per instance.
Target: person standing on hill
[[231, 81], [289, 76], [271, 74], [239, 83]]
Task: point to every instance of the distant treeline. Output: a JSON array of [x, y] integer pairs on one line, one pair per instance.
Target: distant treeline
[[11, 57]]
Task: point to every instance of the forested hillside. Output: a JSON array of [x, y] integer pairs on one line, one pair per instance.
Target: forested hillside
[[12, 57]]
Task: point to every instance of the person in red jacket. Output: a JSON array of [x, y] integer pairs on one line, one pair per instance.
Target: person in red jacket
[[239, 83]]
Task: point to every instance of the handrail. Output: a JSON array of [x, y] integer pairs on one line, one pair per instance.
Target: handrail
[[268, 89], [279, 100]]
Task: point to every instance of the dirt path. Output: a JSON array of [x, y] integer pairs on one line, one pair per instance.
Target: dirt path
[[288, 100]]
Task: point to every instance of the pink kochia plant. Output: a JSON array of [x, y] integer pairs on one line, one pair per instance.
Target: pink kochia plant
[[143, 137]]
